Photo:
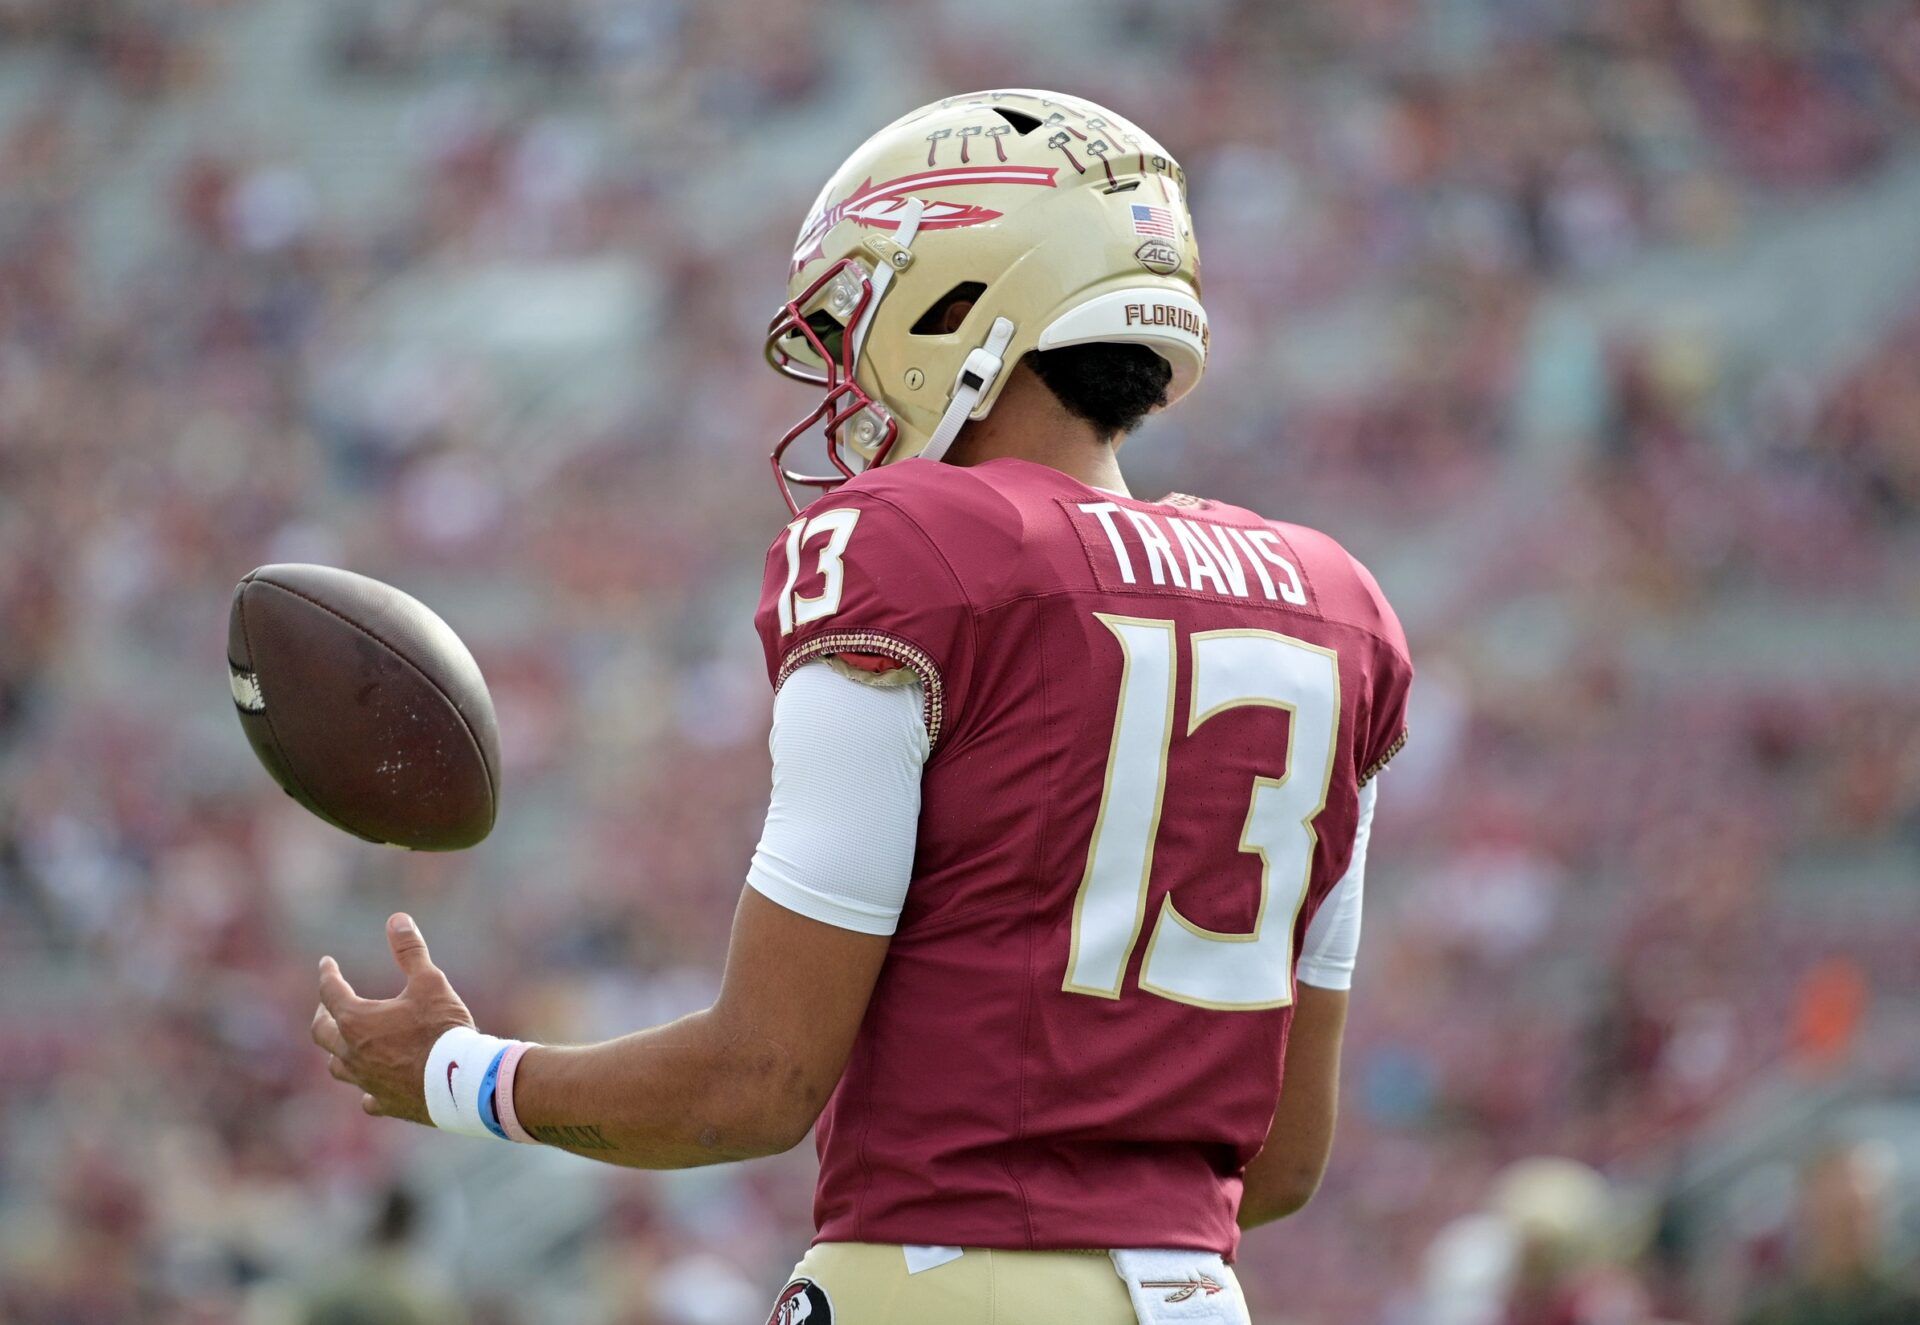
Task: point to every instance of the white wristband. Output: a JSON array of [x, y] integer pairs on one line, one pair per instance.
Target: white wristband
[[456, 1071]]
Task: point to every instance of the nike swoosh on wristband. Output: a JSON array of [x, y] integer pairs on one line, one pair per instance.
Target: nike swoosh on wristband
[[451, 1068]]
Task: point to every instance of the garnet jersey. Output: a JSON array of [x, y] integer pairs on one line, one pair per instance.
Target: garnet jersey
[[1149, 725]]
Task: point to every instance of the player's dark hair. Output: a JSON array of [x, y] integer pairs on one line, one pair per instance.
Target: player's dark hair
[[1111, 385]]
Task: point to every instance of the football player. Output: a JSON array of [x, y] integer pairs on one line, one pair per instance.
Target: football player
[[1062, 869]]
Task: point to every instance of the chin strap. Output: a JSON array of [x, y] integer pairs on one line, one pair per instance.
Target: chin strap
[[909, 227], [977, 376]]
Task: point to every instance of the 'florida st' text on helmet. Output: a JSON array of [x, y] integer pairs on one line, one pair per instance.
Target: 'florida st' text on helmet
[[1063, 224]]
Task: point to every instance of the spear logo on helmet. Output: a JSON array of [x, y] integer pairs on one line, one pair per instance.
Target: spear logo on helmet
[[879, 205]]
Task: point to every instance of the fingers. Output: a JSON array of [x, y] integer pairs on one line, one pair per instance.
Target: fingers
[[409, 949], [344, 1020], [336, 995], [326, 1032]]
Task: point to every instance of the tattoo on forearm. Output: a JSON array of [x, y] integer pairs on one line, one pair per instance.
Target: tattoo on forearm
[[571, 1136]]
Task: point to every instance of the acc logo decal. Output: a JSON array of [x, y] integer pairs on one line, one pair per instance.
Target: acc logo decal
[[879, 205], [802, 1302], [1157, 255]]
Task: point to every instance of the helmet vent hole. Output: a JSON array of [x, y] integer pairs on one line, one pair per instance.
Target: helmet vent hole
[[930, 321], [1023, 124], [1126, 186]]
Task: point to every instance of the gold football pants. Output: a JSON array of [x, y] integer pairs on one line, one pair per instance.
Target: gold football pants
[[864, 1283]]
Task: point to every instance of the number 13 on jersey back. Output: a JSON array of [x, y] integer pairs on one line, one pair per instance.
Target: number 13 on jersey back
[[1185, 962]]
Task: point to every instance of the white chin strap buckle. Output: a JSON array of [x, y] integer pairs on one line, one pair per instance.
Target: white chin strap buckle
[[976, 378]]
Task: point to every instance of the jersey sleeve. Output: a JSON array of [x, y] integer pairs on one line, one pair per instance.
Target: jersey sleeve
[[1391, 682], [857, 580]]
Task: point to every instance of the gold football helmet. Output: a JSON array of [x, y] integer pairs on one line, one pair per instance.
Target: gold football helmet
[[1062, 222]]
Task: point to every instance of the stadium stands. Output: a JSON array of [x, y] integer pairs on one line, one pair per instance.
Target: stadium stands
[[451, 293]]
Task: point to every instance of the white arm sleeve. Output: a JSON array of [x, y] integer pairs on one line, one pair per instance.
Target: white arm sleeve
[[839, 838], [1333, 939]]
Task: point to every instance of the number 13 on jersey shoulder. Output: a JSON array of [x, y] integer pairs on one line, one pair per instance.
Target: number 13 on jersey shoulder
[[1184, 962], [799, 609]]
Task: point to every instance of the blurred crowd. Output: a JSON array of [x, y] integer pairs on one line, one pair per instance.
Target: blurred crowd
[[1601, 916]]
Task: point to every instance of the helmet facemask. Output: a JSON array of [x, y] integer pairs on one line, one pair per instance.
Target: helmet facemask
[[815, 338], [830, 319]]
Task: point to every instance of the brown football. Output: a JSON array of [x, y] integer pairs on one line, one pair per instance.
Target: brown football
[[365, 707]]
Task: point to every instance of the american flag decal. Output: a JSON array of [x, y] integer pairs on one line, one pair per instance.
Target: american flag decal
[[1154, 221]]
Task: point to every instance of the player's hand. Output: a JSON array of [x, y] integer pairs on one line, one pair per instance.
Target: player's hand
[[381, 1045]]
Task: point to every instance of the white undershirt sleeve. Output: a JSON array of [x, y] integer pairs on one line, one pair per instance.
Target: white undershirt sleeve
[[841, 826], [1332, 944]]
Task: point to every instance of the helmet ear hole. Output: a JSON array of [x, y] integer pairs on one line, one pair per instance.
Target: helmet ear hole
[[933, 321]]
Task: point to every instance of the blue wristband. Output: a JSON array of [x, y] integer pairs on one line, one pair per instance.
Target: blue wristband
[[489, 1111]]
